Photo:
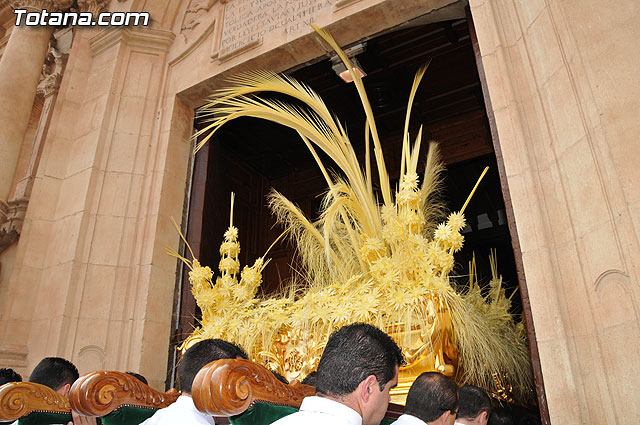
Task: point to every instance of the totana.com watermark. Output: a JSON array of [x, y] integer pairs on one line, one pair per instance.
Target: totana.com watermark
[[105, 19]]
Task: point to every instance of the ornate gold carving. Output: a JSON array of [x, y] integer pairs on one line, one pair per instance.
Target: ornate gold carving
[[100, 393], [18, 399], [39, 5], [229, 387], [295, 354], [430, 347]]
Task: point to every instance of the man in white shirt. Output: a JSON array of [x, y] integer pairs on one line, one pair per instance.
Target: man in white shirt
[[432, 400], [183, 411], [474, 406], [59, 374], [358, 368]]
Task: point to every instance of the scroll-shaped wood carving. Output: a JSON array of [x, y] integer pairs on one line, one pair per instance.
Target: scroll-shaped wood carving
[[230, 386], [100, 393], [18, 399]]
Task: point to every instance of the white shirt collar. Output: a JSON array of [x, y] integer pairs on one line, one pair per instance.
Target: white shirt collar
[[410, 420], [334, 408]]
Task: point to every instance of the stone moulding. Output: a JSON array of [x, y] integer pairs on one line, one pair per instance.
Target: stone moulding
[[226, 54], [18, 399], [147, 39], [231, 386], [100, 393]]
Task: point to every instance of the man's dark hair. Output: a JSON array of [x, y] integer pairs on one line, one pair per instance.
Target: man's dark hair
[[54, 372], [9, 375], [201, 354], [472, 401], [138, 377], [279, 377], [431, 395], [501, 416], [311, 379], [352, 354]]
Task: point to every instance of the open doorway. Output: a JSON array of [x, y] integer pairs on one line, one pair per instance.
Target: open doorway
[[250, 157]]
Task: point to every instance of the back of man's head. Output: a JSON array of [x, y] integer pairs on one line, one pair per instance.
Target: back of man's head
[[138, 377], [201, 354], [430, 396], [352, 354], [472, 402], [55, 373], [501, 416], [9, 375]]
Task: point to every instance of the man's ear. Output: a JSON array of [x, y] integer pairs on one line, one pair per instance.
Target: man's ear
[[367, 386], [483, 417], [64, 390], [444, 418]]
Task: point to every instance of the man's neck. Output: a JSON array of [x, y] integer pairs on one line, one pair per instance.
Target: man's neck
[[347, 400], [464, 421]]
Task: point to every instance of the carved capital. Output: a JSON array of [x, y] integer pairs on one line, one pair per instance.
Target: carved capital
[[93, 6], [100, 393], [18, 399], [40, 5], [11, 218], [229, 387]]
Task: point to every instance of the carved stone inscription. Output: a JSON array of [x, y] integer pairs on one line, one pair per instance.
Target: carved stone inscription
[[246, 22]]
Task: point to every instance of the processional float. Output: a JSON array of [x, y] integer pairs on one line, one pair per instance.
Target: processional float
[[383, 261]]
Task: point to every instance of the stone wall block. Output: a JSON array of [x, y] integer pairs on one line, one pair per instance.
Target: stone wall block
[[100, 293], [38, 245], [564, 116], [106, 240], [510, 30], [529, 11], [544, 298], [130, 233], [153, 342], [116, 193], [75, 188], [562, 391], [542, 48], [44, 198], [56, 148]]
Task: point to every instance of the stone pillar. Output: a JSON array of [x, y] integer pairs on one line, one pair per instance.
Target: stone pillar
[[564, 95], [13, 211], [20, 69]]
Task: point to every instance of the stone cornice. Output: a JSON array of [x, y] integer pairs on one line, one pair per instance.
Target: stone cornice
[[149, 39], [39, 5]]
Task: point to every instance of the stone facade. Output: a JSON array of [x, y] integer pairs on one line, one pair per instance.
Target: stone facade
[[88, 278]]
